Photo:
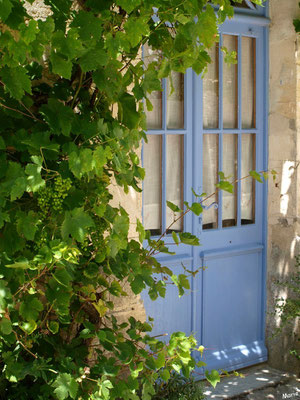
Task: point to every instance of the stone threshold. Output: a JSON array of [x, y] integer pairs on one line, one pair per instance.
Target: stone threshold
[[261, 382]]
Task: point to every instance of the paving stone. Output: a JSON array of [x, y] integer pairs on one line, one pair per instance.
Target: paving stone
[[260, 383]]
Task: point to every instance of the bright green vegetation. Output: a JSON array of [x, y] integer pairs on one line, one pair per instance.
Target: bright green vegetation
[[71, 118]]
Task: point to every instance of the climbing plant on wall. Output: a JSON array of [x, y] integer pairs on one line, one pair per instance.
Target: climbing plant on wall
[[71, 117]]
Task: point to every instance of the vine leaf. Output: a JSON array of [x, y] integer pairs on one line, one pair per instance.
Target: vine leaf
[[5, 9], [66, 386], [16, 81], [76, 224], [30, 308], [5, 326], [213, 377]]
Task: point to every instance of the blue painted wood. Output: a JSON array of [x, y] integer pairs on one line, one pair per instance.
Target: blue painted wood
[[226, 307]]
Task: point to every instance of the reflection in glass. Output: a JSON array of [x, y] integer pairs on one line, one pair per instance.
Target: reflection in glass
[[229, 204], [175, 170], [248, 82], [230, 80], [248, 185], [152, 162], [210, 178], [175, 101], [211, 91]]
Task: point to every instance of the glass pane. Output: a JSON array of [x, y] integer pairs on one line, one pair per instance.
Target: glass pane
[[248, 82], [229, 208], [175, 169], [230, 96], [175, 102], [248, 185], [154, 117], [152, 163], [211, 91], [210, 179]]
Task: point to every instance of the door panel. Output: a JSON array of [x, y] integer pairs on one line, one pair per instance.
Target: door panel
[[224, 130], [172, 313]]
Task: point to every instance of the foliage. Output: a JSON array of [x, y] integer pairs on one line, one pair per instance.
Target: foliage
[[71, 113], [179, 388], [296, 23], [289, 309]]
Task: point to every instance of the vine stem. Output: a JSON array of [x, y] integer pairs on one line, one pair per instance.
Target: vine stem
[[24, 347], [21, 112]]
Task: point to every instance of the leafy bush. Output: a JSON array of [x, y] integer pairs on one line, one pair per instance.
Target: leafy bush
[[71, 118], [179, 388]]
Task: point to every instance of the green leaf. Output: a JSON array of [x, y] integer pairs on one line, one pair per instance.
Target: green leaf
[[28, 32], [175, 237], [224, 185], [62, 277], [34, 180], [27, 224], [256, 176], [5, 9], [58, 116], [18, 188], [173, 207], [151, 81], [30, 308], [121, 225], [213, 377], [93, 59], [129, 5], [61, 66], [160, 360], [137, 285], [65, 386], [135, 29], [188, 238], [19, 265], [5, 296], [165, 375], [296, 23], [100, 158], [201, 364], [53, 327], [16, 81], [76, 224], [5, 326], [196, 208], [28, 326], [129, 115], [140, 230]]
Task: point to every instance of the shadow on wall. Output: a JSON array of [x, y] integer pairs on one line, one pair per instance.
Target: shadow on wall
[[285, 245]]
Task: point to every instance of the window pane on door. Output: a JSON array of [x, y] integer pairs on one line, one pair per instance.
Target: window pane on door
[[152, 187], [229, 203], [174, 177], [248, 82], [230, 81], [210, 179], [211, 91], [248, 185], [175, 101], [153, 117]]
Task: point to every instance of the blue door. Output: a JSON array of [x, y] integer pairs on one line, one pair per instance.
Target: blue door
[[206, 125]]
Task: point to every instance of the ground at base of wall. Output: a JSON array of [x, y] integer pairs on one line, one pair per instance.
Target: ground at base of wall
[[260, 383]]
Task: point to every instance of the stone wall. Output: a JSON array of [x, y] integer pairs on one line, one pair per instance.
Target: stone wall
[[284, 155]]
